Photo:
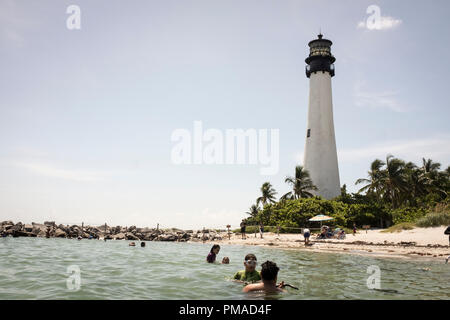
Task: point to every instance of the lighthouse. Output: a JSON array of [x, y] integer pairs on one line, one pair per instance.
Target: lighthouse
[[320, 156]]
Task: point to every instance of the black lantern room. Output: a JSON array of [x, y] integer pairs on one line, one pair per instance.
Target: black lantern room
[[320, 57]]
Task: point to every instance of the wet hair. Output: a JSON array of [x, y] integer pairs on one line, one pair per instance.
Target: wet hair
[[250, 256], [269, 270], [142, 244], [214, 247]]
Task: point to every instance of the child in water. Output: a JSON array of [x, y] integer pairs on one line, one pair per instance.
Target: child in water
[[226, 260], [211, 258], [269, 273], [249, 274]]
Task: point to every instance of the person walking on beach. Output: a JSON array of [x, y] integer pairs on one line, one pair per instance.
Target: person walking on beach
[[261, 229], [243, 226], [354, 229]]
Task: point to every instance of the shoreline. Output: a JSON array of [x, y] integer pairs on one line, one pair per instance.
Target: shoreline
[[418, 243], [367, 244]]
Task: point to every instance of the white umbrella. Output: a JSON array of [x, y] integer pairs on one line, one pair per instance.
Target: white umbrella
[[321, 217]]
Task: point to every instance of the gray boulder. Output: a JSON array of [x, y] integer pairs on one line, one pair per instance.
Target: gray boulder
[[149, 237], [17, 227], [131, 236], [119, 236], [59, 233], [168, 237]]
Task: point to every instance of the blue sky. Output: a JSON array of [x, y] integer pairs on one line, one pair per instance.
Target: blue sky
[[86, 116]]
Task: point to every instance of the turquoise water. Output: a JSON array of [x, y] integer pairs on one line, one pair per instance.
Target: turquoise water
[[36, 268]]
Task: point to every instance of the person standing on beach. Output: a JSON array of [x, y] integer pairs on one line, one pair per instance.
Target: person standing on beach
[[447, 232], [354, 229], [243, 226], [306, 235], [261, 229]]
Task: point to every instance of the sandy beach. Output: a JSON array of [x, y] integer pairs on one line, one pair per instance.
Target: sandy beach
[[430, 243]]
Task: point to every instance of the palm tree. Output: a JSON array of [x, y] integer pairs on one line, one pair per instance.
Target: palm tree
[[416, 182], [301, 185], [435, 180], [373, 183], [393, 180], [253, 211], [428, 166], [267, 194]]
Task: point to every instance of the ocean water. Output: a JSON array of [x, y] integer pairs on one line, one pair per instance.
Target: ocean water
[[38, 268]]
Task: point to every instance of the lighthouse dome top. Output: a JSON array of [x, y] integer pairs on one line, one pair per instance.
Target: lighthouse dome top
[[320, 57], [320, 47], [320, 40]]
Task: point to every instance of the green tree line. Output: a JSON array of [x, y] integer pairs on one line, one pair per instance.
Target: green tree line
[[393, 192]]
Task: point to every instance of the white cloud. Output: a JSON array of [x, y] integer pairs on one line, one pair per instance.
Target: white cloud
[[220, 218], [15, 22], [372, 99], [381, 23], [436, 148], [53, 172]]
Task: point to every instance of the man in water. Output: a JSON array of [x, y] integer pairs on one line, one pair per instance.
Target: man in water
[[269, 273], [249, 274]]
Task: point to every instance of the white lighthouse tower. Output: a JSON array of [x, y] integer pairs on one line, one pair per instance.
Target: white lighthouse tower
[[320, 147]]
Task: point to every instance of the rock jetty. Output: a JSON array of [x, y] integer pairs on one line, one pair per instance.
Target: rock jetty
[[49, 229]]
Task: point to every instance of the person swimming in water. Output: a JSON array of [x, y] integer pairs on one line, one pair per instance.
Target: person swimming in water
[[269, 273], [211, 258], [249, 274], [226, 260]]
